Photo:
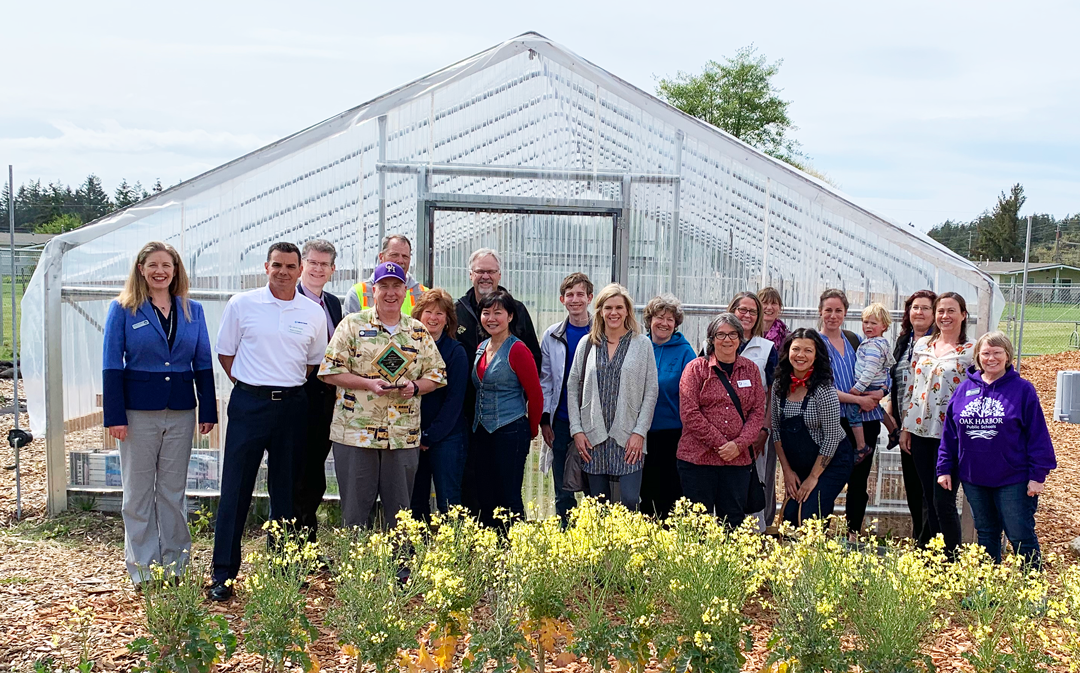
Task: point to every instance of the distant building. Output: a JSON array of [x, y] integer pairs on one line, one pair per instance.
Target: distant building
[[1047, 273], [28, 249]]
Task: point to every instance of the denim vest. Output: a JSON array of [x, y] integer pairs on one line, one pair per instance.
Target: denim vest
[[500, 399]]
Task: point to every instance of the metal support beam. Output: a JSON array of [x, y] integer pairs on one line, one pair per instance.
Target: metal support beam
[[765, 238], [521, 173], [522, 204], [382, 181], [622, 233], [55, 463], [676, 236], [424, 243]]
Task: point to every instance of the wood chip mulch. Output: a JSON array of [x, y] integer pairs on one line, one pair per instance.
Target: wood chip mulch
[[48, 567]]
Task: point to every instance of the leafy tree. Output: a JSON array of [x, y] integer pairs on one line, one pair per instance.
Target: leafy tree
[[59, 224], [738, 96], [999, 230]]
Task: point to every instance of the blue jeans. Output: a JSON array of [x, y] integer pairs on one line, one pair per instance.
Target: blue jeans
[[564, 500], [629, 488], [1008, 509], [443, 462]]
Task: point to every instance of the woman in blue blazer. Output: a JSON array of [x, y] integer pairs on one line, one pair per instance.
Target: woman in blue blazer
[[156, 346]]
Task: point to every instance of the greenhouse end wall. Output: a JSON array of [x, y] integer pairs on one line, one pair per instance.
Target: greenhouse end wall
[[525, 148]]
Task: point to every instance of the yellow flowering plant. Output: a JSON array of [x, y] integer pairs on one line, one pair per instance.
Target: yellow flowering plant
[[498, 643], [809, 578], [1002, 605], [275, 624], [182, 635], [891, 607], [1064, 609], [376, 614], [706, 574]]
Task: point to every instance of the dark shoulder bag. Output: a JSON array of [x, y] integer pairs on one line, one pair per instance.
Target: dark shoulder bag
[[573, 478], [755, 494]]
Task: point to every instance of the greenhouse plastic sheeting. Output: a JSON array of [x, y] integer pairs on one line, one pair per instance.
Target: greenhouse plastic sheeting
[[622, 187]]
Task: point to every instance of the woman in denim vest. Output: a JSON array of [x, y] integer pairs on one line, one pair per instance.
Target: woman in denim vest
[[509, 403]]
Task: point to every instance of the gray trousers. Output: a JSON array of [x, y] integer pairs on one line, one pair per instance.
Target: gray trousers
[[366, 474], [153, 468]]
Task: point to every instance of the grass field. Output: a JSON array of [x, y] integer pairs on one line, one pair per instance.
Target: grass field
[[5, 343], [1048, 328]]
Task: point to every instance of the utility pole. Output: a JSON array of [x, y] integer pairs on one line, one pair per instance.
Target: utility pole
[[1057, 244], [1023, 297]]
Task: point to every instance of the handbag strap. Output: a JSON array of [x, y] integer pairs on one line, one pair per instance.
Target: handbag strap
[[730, 391]]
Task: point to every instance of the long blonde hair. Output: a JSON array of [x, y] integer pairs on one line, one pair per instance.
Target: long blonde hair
[[597, 335], [136, 291]]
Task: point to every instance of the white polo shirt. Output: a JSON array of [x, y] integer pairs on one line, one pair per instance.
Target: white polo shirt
[[272, 340]]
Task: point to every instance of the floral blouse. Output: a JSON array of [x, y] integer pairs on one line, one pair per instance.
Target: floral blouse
[[932, 382]]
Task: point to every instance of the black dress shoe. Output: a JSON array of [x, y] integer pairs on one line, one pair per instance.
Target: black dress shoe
[[219, 592]]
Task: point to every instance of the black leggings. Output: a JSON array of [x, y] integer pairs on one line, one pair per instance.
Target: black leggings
[[939, 504], [857, 496]]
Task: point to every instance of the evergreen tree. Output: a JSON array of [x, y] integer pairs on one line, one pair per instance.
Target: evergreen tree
[[91, 200], [999, 230]]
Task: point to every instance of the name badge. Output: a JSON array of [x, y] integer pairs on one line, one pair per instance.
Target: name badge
[[973, 391], [297, 328], [368, 333], [744, 383], [137, 325]]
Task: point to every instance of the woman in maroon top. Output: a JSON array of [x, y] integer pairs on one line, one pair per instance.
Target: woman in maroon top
[[722, 405]]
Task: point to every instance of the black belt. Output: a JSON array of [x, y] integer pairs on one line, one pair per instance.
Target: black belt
[[269, 392]]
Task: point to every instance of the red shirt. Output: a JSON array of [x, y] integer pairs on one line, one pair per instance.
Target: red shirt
[[710, 419], [524, 365]]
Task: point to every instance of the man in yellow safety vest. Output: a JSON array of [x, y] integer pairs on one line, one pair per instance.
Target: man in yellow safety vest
[[396, 248]]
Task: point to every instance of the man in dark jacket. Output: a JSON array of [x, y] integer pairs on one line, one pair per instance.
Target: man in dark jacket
[[318, 257], [485, 272]]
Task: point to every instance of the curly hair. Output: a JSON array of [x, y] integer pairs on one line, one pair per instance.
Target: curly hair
[[905, 324], [659, 304], [822, 367]]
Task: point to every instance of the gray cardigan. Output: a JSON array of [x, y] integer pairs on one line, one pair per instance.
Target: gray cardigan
[[638, 388]]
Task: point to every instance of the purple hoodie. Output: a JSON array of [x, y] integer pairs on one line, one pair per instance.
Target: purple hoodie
[[995, 433]]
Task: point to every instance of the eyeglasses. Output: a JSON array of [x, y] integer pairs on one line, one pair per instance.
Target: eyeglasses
[[318, 265], [486, 272], [742, 310], [727, 336]]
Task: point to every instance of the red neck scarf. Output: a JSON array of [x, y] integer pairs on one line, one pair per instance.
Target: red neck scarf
[[797, 383]]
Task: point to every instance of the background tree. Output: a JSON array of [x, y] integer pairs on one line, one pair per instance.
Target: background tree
[[59, 224], [999, 230], [127, 195], [738, 96]]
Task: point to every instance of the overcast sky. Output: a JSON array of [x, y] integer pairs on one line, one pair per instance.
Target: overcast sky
[[921, 111]]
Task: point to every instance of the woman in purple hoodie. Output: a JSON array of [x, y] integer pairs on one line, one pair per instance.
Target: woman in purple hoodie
[[996, 443]]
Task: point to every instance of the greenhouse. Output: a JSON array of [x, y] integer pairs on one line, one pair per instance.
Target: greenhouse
[[525, 148]]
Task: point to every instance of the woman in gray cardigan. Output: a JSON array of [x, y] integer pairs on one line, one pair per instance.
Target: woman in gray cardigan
[[611, 394]]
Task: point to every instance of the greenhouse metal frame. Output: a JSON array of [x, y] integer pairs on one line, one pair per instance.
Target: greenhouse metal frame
[[525, 148]]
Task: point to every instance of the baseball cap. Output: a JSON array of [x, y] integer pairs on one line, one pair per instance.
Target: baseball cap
[[388, 270]]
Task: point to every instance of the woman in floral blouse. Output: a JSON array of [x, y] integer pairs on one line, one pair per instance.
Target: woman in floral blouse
[[939, 364]]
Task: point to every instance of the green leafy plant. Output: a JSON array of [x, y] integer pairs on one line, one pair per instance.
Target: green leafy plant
[[183, 635], [498, 643], [275, 624]]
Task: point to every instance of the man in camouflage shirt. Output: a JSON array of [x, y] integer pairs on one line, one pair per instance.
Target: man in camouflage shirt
[[381, 362]]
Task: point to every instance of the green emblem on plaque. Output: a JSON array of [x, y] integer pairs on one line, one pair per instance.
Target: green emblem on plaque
[[392, 362]]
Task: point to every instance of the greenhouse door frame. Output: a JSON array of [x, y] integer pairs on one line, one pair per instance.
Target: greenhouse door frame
[[428, 202]]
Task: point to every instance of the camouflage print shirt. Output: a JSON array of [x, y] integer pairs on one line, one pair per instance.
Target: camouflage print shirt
[[362, 418]]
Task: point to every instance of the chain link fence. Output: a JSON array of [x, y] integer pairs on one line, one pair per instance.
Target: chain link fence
[[1051, 317]]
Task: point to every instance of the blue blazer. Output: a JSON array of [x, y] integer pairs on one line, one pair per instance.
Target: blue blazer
[[141, 372]]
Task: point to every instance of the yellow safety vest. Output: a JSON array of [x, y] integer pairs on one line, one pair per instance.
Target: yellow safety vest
[[366, 295]]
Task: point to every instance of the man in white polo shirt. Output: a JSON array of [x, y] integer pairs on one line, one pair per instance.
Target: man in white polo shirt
[[270, 340]]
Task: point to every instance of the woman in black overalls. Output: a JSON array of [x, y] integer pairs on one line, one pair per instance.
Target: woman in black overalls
[[811, 447]]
